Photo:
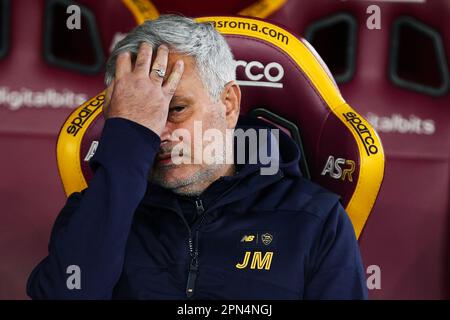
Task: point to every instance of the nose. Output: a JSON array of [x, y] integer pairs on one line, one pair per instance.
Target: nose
[[166, 133]]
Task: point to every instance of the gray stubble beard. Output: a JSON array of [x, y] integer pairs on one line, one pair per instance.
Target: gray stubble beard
[[193, 185]]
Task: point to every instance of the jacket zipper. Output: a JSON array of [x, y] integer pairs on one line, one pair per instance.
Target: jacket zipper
[[193, 250], [193, 246]]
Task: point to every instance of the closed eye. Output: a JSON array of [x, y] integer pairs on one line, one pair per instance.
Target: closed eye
[[177, 109]]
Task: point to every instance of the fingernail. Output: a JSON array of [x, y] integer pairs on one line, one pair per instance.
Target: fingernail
[[164, 47]]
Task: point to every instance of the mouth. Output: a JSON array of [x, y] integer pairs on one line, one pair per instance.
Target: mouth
[[163, 159], [168, 158]]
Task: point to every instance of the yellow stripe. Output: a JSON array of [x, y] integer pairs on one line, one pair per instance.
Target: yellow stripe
[[145, 9], [69, 143], [142, 10], [262, 8], [371, 169]]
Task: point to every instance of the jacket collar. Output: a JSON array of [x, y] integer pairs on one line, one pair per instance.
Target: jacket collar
[[247, 181]]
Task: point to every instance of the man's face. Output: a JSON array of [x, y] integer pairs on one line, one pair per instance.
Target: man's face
[[191, 105]]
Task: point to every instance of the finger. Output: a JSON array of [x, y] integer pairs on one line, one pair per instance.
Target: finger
[[123, 64], [143, 59], [160, 63], [174, 79]]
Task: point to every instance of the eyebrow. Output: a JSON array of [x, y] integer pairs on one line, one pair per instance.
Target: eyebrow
[[178, 99]]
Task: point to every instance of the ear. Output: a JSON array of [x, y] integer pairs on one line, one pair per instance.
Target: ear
[[231, 98]]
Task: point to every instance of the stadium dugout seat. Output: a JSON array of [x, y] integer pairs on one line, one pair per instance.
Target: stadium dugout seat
[[284, 82]]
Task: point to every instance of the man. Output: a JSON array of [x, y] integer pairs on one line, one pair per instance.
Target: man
[[157, 223]]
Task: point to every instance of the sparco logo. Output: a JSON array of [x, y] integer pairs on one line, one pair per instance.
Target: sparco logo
[[84, 114], [260, 75], [362, 131]]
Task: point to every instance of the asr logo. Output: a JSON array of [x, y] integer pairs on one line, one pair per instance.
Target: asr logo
[[258, 261], [339, 168]]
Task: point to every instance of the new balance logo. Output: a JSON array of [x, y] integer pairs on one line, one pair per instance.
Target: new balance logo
[[248, 238]]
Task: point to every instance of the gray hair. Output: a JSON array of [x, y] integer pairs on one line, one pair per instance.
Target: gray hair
[[213, 57]]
